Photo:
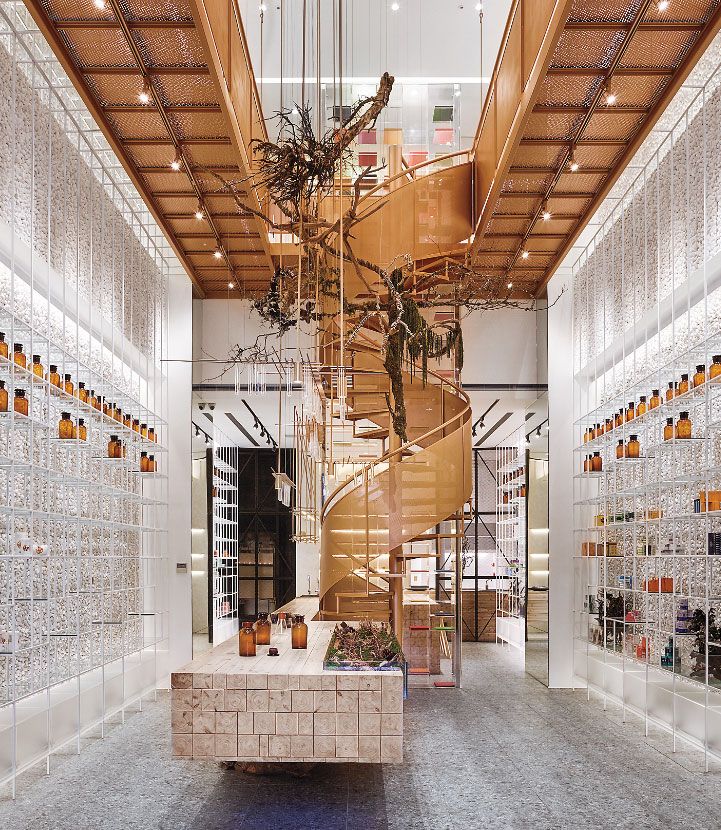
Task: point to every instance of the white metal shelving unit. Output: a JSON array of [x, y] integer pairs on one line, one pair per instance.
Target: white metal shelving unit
[[83, 547], [647, 311], [224, 581], [511, 540]]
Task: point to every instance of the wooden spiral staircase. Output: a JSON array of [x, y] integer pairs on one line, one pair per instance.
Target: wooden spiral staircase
[[401, 496]]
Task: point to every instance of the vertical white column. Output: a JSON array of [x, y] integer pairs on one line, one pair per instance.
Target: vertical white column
[[180, 388], [560, 482]]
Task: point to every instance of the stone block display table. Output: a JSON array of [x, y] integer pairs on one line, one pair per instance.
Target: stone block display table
[[286, 708]]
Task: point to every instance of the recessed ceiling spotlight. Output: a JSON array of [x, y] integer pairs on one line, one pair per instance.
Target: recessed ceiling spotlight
[[546, 215], [231, 285], [524, 255], [395, 7], [217, 253], [662, 5], [177, 162], [144, 94], [99, 5], [510, 285], [572, 163], [611, 98], [199, 213]]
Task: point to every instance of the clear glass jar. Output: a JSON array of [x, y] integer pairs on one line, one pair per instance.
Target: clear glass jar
[[642, 408], [246, 640], [82, 392], [54, 376], [18, 355], [65, 427], [3, 397], [668, 430], [683, 385], [113, 448], [4, 350], [143, 462], [700, 377], [633, 448], [68, 385], [262, 630], [683, 426], [20, 403], [714, 370], [38, 368], [655, 399], [620, 451], [630, 411], [299, 632]]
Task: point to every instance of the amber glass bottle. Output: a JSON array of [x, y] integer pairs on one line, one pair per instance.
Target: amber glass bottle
[[670, 391], [19, 355], [596, 463], [714, 370], [668, 430], [682, 388], [299, 632], [609, 424], [620, 448], [683, 426], [655, 399], [151, 434], [82, 392], [630, 411], [38, 368], [144, 430], [152, 467], [700, 377], [642, 407], [81, 431], [65, 427], [143, 462], [3, 397], [262, 630], [20, 404], [587, 464], [3, 346], [54, 376], [93, 400], [246, 640], [105, 405], [118, 414], [113, 448], [126, 420], [136, 425], [633, 448], [68, 385]]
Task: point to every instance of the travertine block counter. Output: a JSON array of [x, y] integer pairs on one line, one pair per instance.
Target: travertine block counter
[[285, 708]]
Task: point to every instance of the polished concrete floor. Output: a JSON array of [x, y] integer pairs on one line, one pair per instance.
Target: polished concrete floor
[[503, 752]]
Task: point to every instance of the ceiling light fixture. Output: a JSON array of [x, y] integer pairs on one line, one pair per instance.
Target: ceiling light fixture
[[572, 163], [99, 4], [199, 212], [177, 162], [662, 5], [611, 98], [479, 7], [395, 7], [217, 253], [510, 285], [231, 285], [144, 94], [524, 254], [263, 8], [546, 215]]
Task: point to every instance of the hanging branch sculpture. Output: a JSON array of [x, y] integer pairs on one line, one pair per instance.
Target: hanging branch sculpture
[[297, 172]]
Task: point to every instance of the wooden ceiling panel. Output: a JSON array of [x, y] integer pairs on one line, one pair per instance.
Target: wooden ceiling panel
[[611, 68], [115, 53]]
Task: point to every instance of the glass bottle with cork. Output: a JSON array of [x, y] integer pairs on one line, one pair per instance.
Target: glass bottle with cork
[[113, 447], [668, 430], [20, 402], [81, 431], [633, 448], [246, 640], [38, 368], [53, 376], [714, 370], [262, 630], [596, 463], [620, 448], [65, 427], [151, 464], [299, 632], [671, 391], [630, 411], [3, 397], [143, 462], [642, 407], [4, 349], [683, 385], [82, 392], [699, 377], [19, 356], [655, 399]]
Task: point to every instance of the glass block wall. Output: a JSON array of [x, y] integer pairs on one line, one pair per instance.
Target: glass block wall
[[83, 490]]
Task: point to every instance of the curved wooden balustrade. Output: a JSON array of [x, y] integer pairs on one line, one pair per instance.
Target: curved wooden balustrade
[[395, 498]]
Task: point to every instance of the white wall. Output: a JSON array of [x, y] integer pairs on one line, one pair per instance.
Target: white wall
[[560, 482], [500, 347], [179, 471]]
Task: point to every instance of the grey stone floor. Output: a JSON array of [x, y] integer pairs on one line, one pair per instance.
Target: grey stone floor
[[503, 752]]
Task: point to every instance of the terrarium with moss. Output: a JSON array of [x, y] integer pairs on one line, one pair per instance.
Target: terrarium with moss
[[362, 647]]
